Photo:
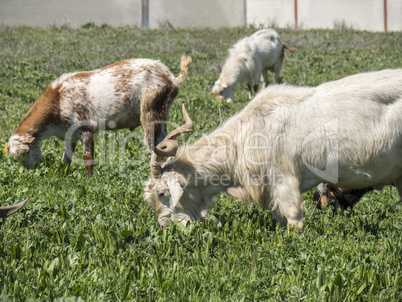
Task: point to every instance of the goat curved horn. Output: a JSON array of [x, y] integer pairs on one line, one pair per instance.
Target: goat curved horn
[[9, 210], [187, 127], [168, 147]]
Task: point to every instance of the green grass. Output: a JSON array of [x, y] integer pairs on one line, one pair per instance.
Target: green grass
[[94, 238]]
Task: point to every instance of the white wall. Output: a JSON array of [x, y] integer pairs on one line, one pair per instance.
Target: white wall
[[359, 14], [191, 13], [394, 15], [269, 12], [71, 12]]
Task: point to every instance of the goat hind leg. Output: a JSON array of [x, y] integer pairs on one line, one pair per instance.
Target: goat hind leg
[[277, 70], [68, 153], [88, 145]]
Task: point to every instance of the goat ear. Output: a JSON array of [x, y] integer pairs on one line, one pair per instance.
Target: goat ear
[[176, 191], [224, 85], [30, 139]]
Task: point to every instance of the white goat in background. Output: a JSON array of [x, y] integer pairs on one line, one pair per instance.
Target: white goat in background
[[248, 59]]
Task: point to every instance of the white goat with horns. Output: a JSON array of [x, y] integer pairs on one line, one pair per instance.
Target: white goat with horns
[[284, 142]]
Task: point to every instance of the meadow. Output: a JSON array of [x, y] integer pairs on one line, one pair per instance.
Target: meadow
[[93, 238]]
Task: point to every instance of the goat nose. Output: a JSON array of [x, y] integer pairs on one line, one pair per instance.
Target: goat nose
[[164, 222]]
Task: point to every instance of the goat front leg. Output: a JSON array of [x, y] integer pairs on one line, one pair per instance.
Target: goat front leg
[[87, 140], [288, 207], [250, 91], [265, 77], [256, 88], [68, 153], [257, 78]]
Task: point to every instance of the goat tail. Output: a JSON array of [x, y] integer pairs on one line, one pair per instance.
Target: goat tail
[[290, 48], [184, 64]]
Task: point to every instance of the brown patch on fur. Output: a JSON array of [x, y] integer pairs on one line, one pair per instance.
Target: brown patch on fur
[[82, 76], [124, 85], [45, 111], [82, 111], [117, 65], [123, 71], [84, 105], [163, 76], [155, 109]]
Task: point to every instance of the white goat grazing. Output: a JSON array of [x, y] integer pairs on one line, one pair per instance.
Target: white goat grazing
[[126, 94], [284, 142], [248, 59]]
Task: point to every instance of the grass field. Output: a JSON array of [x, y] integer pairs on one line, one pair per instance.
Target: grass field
[[94, 239]]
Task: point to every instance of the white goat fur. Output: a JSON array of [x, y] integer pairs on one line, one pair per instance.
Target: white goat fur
[[126, 94], [248, 59], [261, 154]]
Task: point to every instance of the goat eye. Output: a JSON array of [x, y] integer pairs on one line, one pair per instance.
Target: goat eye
[[161, 194]]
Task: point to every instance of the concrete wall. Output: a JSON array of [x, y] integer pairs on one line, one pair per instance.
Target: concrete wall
[[358, 14], [394, 15], [71, 12], [272, 12], [191, 13]]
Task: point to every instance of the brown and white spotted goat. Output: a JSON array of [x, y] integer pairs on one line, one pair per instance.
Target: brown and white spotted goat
[[126, 94]]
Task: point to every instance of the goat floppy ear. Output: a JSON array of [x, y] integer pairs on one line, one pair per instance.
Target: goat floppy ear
[[176, 191], [30, 139]]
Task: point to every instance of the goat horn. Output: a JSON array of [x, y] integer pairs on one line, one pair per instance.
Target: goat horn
[[9, 210], [168, 147], [187, 127], [155, 168]]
